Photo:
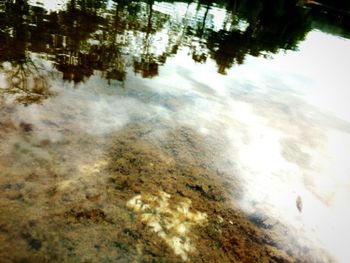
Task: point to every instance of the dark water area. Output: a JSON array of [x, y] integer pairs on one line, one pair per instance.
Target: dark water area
[[86, 36], [195, 131]]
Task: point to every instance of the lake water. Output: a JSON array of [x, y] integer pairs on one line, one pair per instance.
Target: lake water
[[173, 132]]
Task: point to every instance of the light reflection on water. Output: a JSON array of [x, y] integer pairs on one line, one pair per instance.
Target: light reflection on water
[[298, 134], [282, 145], [280, 127]]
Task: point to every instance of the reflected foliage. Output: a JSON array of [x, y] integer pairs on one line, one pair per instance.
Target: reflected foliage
[[115, 37]]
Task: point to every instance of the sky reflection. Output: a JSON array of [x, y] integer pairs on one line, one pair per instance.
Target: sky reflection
[[295, 116], [283, 141]]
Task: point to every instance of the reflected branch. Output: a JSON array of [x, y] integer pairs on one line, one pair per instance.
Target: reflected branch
[[26, 83]]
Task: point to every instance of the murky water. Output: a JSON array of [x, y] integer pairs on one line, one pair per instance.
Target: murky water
[[173, 132]]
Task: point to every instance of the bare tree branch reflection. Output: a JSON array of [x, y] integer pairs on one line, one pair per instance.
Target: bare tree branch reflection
[[24, 80], [26, 83]]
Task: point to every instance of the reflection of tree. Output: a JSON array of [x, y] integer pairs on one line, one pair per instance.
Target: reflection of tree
[[23, 77], [197, 33], [227, 48], [90, 6], [272, 25], [330, 16], [111, 61], [26, 83], [147, 63], [71, 49], [88, 36]]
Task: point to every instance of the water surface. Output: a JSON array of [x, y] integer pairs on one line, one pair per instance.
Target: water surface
[[173, 131]]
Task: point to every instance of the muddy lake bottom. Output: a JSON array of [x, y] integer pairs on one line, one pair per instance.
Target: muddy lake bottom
[[126, 197]]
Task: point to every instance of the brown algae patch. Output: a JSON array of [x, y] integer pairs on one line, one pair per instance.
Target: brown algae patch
[[128, 197], [173, 225], [92, 169]]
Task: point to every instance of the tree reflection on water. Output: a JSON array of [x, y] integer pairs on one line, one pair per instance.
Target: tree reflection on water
[[89, 36], [23, 76]]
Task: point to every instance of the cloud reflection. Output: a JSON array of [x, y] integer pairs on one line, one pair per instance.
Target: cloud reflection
[[282, 145]]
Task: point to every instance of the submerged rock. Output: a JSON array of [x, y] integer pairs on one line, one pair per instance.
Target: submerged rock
[[299, 203]]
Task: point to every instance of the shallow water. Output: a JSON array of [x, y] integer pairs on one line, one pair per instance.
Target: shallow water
[[153, 131]]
